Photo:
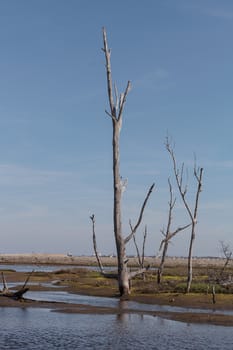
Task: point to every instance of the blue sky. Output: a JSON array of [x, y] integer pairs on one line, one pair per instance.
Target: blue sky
[[55, 144]]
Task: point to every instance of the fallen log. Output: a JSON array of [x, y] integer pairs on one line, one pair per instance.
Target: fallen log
[[14, 294]]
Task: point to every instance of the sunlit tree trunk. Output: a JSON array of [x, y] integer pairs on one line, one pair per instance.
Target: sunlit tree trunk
[[116, 104]]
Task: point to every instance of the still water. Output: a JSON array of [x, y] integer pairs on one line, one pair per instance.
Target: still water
[[42, 329], [30, 329]]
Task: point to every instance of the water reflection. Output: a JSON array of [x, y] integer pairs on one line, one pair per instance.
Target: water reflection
[[42, 329], [62, 296]]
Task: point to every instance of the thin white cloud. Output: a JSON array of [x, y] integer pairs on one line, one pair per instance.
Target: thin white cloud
[[219, 13], [220, 206], [157, 79], [199, 7], [24, 211], [15, 175], [226, 164]]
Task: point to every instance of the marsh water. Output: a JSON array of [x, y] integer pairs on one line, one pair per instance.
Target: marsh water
[[30, 328], [42, 329]]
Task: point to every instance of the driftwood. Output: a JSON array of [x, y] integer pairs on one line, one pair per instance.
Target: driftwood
[[18, 295]]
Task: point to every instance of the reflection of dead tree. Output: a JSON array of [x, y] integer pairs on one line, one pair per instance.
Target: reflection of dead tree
[[191, 212], [168, 234], [116, 108], [15, 295]]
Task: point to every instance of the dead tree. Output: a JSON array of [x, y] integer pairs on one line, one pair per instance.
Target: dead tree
[[116, 104], [227, 253], [128, 275], [18, 295], [197, 172], [168, 234]]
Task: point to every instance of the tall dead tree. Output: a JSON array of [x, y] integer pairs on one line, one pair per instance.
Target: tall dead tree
[[192, 212], [116, 105], [168, 234]]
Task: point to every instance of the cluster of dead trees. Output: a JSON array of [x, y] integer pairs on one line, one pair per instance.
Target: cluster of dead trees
[[116, 107]]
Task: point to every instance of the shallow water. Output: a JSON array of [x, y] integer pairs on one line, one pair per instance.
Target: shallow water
[[41, 329], [37, 268], [62, 296]]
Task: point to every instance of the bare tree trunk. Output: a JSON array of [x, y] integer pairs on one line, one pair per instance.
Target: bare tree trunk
[[162, 262], [190, 260], [123, 278], [116, 104]]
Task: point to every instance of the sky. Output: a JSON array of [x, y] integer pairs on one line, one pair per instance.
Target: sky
[[55, 137]]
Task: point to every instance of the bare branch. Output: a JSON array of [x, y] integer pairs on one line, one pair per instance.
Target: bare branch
[[179, 178], [136, 246], [168, 234], [116, 97], [105, 274], [27, 279], [92, 217], [5, 287], [110, 115], [198, 175], [109, 73], [192, 213], [143, 245], [138, 272], [134, 229], [123, 99]]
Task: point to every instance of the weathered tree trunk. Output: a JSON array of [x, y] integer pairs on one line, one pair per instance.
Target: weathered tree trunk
[[123, 278], [116, 104], [190, 259], [161, 265]]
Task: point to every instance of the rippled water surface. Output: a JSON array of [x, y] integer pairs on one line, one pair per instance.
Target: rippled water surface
[[43, 329]]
